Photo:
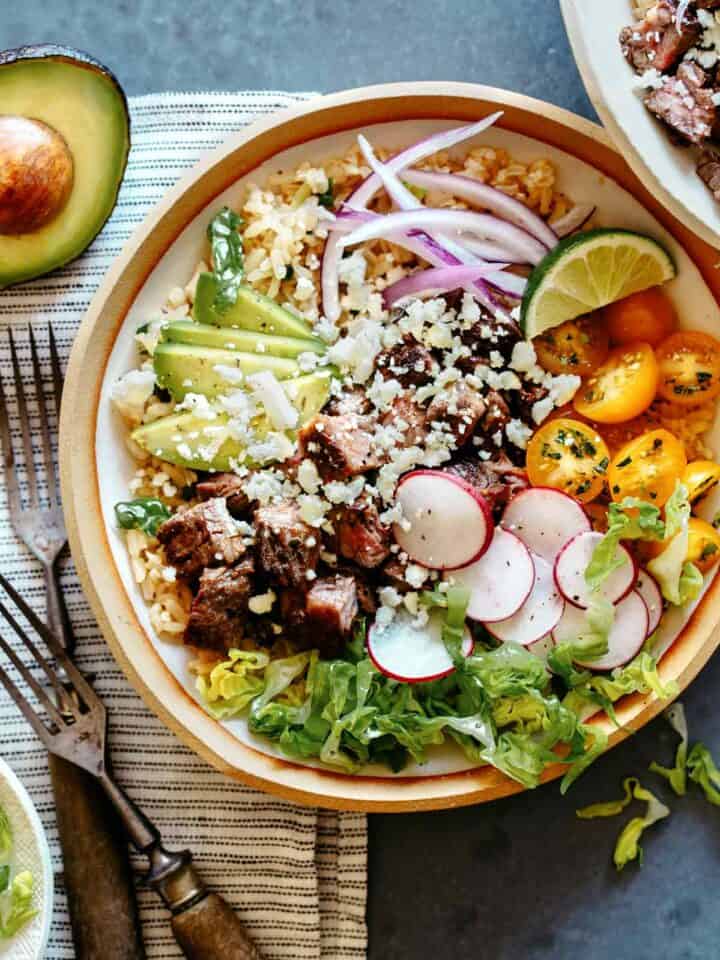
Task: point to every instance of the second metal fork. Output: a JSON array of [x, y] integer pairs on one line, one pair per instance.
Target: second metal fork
[[37, 520]]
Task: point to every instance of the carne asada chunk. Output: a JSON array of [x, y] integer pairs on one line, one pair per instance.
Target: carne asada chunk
[[218, 610], [229, 486], [360, 536], [490, 334], [523, 400], [287, 547], [323, 615], [497, 415], [393, 574], [340, 446], [350, 401], [460, 407], [203, 536], [409, 418], [708, 168], [655, 41], [408, 361], [685, 105], [707, 4], [497, 480]]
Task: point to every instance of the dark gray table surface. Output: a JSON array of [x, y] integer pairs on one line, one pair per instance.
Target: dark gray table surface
[[520, 879]]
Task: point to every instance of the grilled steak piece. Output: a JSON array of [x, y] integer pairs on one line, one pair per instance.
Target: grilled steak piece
[[655, 41], [497, 416], [323, 615], [226, 485], [497, 480], [409, 418], [708, 168], [461, 407], [217, 614], [359, 534], [523, 400], [287, 547], [408, 361], [707, 4], [685, 105], [393, 573], [350, 401], [203, 536], [340, 446], [488, 334]]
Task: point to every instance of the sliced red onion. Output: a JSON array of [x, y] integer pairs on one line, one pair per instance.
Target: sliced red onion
[[436, 280], [680, 14], [573, 219], [497, 202], [508, 283], [525, 249], [369, 187], [487, 250]]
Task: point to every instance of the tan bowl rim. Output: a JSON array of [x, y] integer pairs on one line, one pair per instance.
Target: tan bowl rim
[[88, 537]]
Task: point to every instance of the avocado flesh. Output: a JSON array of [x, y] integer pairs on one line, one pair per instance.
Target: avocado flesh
[[205, 335], [183, 368], [251, 311], [163, 437], [83, 102]]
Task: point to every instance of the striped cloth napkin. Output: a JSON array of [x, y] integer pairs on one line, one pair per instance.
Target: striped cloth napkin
[[296, 875]]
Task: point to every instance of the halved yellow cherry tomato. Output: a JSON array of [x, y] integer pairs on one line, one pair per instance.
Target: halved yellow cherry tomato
[[568, 455], [700, 477], [576, 346], [647, 467], [689, 368], [703, 544], [622, 388], [648, 316]]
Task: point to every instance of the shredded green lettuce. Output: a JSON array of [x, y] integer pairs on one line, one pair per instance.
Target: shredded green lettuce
[[631, 519], [628, 846], [679, 581], [19, 909], [233, 684], [676, 775], [702, 770], [5, 835]]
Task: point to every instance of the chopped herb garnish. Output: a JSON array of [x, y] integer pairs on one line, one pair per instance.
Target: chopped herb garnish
[[327, 199], [143, 513]]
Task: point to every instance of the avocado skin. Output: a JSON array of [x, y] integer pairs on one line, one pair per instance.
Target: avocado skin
[[81, 60]]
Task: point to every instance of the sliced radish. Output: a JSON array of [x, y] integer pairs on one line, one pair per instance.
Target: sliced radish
[[646, 585], [538, 615], [405, 651], [500, 581], [571, 564], [627, 634], [450, 523], [542, 647], [545, 520]]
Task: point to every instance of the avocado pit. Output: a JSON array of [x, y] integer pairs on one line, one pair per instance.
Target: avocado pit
[[36, 174]]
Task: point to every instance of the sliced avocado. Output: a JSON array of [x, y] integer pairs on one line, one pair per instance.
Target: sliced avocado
[[227, 338], [251, 311], [182, 368], [185, 439], [64, 141]]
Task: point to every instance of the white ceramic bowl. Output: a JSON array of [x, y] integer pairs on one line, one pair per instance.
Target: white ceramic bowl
[[668, 171], [30, 852], [163, 254]]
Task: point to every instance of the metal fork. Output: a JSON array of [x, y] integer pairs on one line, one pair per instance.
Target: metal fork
[[204, 925]]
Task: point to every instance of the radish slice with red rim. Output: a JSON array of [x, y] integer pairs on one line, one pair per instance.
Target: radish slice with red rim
[[406, 651], [646, 585], [545, 520], [542, 647], [627, 634], [500, 581], [447, 523], [538, 615], [571, 564]]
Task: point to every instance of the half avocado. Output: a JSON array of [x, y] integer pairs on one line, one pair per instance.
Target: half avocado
[[64, 142]]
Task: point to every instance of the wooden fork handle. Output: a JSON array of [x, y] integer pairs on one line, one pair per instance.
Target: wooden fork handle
[[209, 929]]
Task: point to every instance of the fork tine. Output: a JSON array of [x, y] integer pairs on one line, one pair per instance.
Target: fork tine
[[56, 370], [50, 473], [8, 454], [50, 708], [24, 425], [39, 658], [77, 680], [32, 718]]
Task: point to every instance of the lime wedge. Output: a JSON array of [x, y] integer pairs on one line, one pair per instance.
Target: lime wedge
[[589, 270]]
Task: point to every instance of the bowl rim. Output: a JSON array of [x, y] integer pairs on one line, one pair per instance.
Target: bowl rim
[[98, 574], [572, 16], [48, 878]]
